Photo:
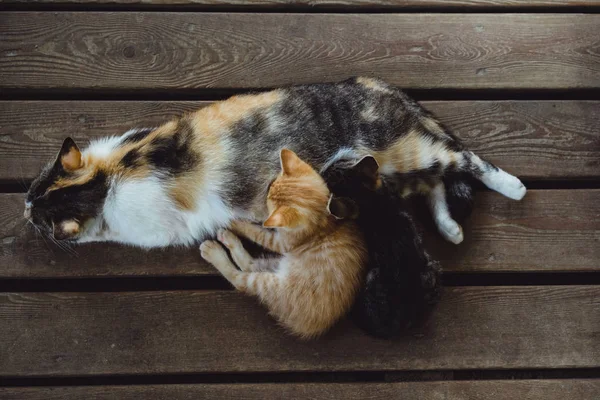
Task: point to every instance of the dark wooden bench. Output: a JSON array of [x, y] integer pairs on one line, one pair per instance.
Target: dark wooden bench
[[518, 81]]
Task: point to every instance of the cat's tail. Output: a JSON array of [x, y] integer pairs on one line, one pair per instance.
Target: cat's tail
[[449, 155], [492, 176]]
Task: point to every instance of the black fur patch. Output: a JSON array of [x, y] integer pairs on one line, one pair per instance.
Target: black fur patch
[[460, 195], [174, 154], [428, 176], [45, 179], [79, 202], [132, 159], [247, 166]]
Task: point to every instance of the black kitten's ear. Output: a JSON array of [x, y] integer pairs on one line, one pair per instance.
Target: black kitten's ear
[[342, 207], [368, 167], [69, 155]]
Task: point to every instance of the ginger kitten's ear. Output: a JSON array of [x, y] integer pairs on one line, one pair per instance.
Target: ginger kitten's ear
[[291, 164], [69, 155], [342, 207], [282, 217]]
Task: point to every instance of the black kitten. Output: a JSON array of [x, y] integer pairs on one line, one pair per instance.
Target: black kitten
[[402, 281]]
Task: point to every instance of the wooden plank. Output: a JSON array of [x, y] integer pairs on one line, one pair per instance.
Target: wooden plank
[[152, 51], [548, 231], [62, 334], [580, 389], [533, 139], [336, 4]]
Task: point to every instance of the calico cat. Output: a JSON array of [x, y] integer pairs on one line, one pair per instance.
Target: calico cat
[[402, 281], [180, 182], [314, 282]]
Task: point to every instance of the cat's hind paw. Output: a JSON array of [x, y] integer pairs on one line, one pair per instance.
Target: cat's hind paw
[[508, 185], [451, 231]]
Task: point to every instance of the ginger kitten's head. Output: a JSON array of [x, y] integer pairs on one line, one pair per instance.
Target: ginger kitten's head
[[66, 194], [299, 197]]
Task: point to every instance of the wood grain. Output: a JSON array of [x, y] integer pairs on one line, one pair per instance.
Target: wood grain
[[336, 4], [188, 51], [548, 231], [533, 139], [580, 389], [59, 334]]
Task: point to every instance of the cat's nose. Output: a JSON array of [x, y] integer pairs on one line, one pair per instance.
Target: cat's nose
[[27, 213]]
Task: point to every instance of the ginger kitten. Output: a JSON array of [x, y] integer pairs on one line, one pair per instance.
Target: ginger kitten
[[313, 283]]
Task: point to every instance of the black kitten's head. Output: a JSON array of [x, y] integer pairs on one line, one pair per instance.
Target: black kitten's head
[[67, 194], [355, 180], [350, 177]]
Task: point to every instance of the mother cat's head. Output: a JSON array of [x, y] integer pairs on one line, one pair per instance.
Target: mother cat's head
[[68, 195]]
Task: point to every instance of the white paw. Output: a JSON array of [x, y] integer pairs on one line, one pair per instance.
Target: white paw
[[451, 231], [212, 251], [511, 187]]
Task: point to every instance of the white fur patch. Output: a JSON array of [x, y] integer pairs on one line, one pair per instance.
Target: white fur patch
[[133, 132], [500, 181], [102, 148], [448, 228], [344, 153], [142, 213]]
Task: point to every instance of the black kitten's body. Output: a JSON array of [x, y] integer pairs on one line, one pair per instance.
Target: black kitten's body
[[402, 281]]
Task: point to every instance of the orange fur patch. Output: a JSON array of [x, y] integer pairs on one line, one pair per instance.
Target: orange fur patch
[[373, 84], [216, 118], [434, 127]]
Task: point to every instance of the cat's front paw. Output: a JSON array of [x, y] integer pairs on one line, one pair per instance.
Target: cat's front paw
[[238, 225], [213, 252], [228, 238]]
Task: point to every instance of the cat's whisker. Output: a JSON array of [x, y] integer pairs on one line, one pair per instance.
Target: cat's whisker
[[41, 234], [63, 246], [22, 178]]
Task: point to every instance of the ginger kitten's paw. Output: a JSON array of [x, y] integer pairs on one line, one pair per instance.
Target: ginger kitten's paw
[[228, 238], [213, 252], [237, 225], [451, 230]]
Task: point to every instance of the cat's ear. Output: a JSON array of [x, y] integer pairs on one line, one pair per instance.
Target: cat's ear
[[283, 217], [291, 164], [67, 229], [342, 207], [69, 156], [367, 167]]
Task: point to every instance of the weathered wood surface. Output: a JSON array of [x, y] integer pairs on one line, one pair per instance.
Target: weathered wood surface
[[579, 389], [59, 334], [533, 139], [153, 51], [337, 4], [549, 230]]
